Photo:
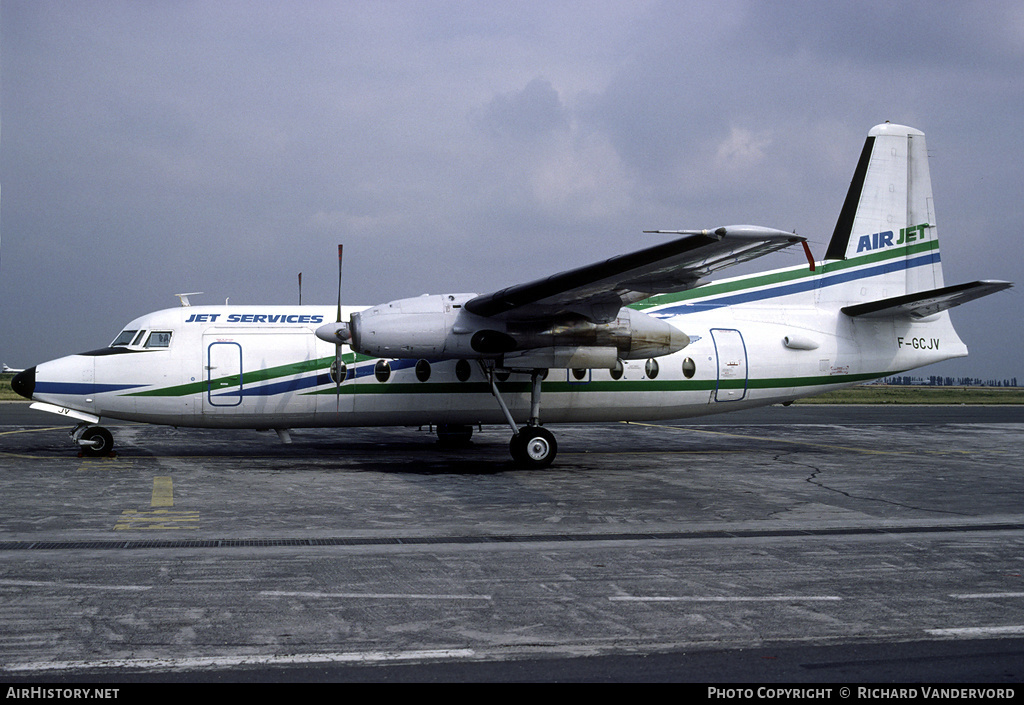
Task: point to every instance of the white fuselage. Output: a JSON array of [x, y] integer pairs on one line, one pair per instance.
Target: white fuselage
[[755, 340]]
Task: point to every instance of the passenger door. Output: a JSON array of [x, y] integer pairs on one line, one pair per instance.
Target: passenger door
[[731, 384], [270, 372]]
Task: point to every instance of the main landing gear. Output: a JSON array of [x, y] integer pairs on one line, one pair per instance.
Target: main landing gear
[[531, 446], [95, 441]]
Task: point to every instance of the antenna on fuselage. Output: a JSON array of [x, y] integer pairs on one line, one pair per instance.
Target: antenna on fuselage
[[184, 297], [337, 344]]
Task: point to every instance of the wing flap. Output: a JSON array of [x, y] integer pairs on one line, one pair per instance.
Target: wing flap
[[597, 291], [926, 303]]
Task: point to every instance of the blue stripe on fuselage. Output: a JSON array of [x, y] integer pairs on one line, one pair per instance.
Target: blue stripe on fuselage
[[294, 385], [80, 388], [808, 284]]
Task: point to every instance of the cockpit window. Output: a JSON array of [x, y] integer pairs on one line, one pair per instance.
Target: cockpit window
[[133, 338], [159, 339], [124, 339]]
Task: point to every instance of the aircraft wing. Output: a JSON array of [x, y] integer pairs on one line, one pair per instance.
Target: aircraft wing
[[597, 291]]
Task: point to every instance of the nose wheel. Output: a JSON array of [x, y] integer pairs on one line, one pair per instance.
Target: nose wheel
[[95, 441]]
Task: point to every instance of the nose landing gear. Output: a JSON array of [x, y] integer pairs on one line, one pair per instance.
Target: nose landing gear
[[95, 441]]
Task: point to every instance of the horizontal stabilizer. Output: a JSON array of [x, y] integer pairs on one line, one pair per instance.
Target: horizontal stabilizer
[[926, 303]]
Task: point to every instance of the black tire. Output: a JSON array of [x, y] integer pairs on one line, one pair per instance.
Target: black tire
[[100, 442], [533, 447]]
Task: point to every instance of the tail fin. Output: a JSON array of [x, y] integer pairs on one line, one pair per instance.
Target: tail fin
[[886, 240], [888, 217]]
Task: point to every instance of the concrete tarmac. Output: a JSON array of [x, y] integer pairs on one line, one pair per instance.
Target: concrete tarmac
[[762, 542]]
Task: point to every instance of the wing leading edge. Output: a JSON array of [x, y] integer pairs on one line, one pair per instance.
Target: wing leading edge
[[598, 291]]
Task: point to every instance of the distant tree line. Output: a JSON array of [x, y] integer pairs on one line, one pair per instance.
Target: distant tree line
[[939, 381]]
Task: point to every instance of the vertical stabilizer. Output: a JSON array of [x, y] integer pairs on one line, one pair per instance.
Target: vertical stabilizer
[[888, 218]]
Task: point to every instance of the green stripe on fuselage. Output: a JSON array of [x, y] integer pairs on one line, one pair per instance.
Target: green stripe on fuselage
[[295, 368], [645, 385], [785, 276]]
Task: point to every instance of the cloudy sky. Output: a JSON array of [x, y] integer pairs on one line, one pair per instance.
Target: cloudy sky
[[150, 148]]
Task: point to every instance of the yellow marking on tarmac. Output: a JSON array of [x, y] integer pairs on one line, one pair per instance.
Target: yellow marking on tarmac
[[33, 430], [163, 496], [163, 492], [22, 456], [651, 452], [828, 446], [157, 519]]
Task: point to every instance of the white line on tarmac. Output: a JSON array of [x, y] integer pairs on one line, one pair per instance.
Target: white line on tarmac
[[985, 595], [230, 661], [977, 631], [372, 595], [713, 598], [75, 586]]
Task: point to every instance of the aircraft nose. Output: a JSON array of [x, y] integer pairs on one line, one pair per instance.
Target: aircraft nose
[[24, 383]]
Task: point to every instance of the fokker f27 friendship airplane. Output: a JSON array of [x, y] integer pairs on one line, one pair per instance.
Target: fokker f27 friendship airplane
[[637, 337]]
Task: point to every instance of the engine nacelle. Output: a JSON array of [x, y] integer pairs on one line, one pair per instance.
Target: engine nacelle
[[648, 336], [438, 327], [420, 327]]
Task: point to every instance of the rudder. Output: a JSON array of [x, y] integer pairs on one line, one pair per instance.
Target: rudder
[[888, 217]]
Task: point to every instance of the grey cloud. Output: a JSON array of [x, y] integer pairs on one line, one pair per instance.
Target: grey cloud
[[534, 112]]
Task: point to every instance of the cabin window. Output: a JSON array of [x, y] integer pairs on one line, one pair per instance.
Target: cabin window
[[159, 339], [579, 373], [123, 339], [382, 370], [689, 368], [463, 370], [651, 368], [339, 372], [422, 370], [616, 372]]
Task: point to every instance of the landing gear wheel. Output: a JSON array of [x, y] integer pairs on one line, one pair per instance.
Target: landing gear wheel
[[97, 442], [533, 447]]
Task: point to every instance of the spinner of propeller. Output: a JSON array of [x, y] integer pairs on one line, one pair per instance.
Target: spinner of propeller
[[339, 331]]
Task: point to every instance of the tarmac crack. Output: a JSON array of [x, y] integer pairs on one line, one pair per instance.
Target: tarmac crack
[[814, 479]]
